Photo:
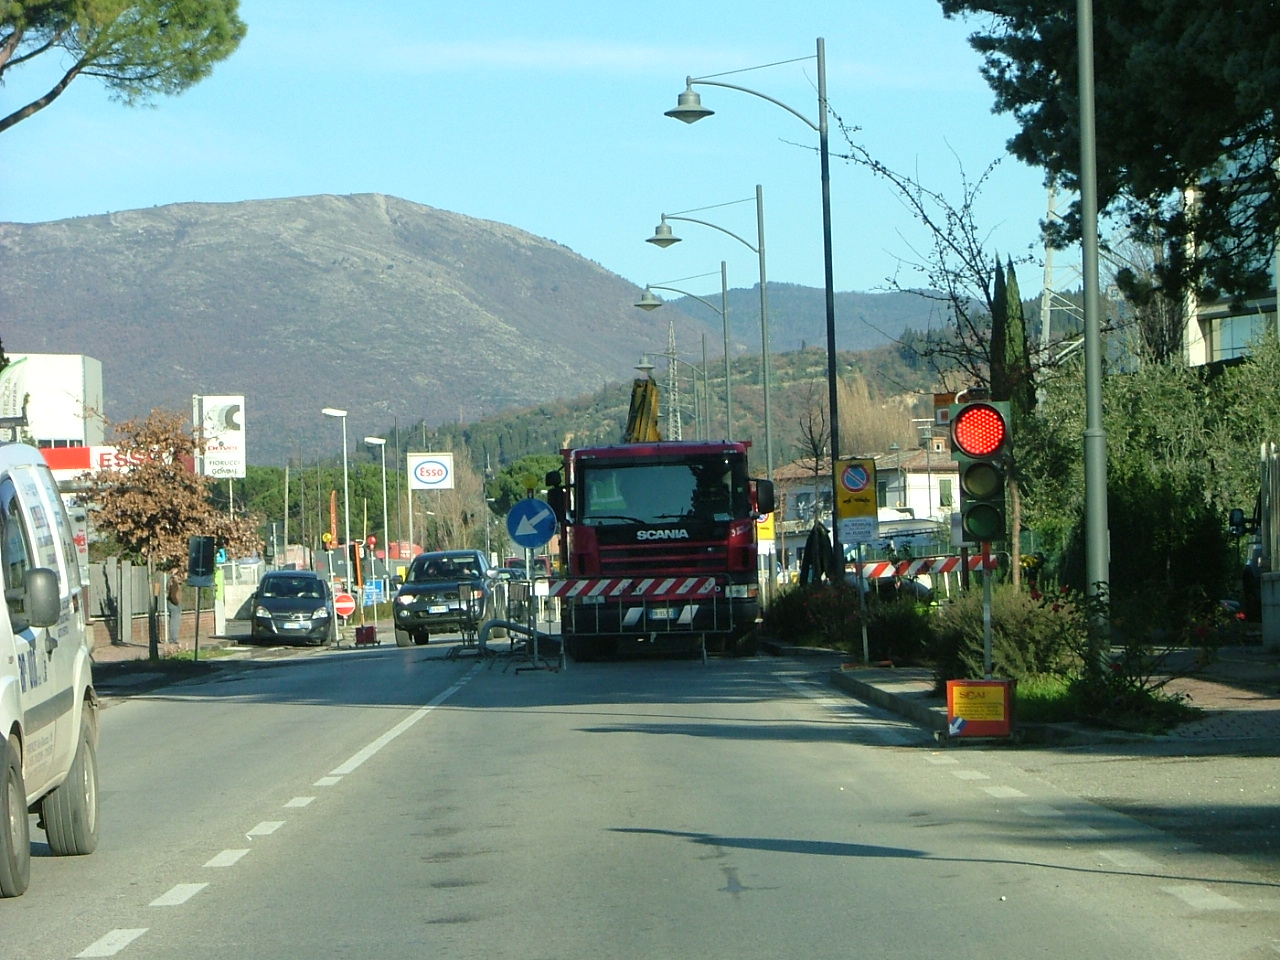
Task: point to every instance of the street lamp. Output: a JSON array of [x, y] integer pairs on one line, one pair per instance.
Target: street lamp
[[689, 109], [649, 302], [663, 237], [346, 487], [381, 444]]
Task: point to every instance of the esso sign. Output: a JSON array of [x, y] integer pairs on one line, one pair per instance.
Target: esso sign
[[430, 471]]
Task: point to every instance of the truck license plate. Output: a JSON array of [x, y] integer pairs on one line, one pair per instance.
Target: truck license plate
[[662, 613]]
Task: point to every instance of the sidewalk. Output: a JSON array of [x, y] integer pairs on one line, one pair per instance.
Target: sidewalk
[[1239, 692]]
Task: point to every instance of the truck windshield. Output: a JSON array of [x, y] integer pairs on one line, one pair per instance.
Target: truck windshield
[[711, 487]]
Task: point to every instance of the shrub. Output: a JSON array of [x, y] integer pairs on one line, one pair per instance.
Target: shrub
[[1031, 635], [830, 615]]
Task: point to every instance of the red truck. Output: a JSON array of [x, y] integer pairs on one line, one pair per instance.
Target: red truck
[[659, 547]]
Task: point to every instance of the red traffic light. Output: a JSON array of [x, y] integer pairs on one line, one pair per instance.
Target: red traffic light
[[979, 430]]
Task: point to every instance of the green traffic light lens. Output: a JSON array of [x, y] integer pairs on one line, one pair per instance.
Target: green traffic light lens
[[984, 522]]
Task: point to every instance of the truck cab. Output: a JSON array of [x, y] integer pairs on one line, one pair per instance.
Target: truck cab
[[48, 708]]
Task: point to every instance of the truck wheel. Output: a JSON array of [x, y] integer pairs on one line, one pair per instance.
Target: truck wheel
[[15, 831], [70, 812]]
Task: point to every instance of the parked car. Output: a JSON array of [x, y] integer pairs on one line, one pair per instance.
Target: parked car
[[431, 598], [293, 606]]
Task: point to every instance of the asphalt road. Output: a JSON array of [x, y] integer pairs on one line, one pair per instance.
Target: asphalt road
[[390, 803]]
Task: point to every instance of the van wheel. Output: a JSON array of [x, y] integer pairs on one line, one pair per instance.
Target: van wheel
[[15, 831], [70, 812]]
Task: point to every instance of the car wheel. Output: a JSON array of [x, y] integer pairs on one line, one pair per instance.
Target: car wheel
[[15, 831], [422, 639], [403, 638], [70, 812]]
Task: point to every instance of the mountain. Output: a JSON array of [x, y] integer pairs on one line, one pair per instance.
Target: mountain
[[394, 311]]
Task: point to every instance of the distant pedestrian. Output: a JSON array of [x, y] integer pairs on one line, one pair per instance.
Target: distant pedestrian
[[175, 607]]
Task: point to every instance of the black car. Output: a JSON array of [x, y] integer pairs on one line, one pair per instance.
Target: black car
[[431, 599], [294, 606]]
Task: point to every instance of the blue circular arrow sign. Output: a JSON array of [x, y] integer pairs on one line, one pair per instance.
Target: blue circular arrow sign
[[531, 523]]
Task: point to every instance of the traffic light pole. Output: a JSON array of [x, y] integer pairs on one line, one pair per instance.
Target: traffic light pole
[[986, 609]]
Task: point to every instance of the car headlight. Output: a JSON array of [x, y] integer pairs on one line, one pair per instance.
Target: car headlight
[[262, 612], [405, 599], [320, 614]]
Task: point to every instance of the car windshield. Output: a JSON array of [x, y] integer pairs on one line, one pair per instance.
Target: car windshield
[[296, 587], [445, 568], [709, 487]]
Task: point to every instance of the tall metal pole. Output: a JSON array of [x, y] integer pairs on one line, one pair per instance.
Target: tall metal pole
[[1097, 561], [766, 363], [724, 318], [706, 396], [837, 551]]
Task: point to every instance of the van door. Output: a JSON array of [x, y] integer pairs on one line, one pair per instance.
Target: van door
[[38, 690]]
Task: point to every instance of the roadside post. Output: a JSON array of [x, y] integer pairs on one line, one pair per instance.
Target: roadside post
[[532, 523], [858, 522]]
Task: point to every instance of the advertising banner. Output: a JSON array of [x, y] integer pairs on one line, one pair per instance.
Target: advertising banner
[[430, 471], [221, 421]]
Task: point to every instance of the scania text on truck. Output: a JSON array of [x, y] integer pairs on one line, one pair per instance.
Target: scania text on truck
[[659, 547]]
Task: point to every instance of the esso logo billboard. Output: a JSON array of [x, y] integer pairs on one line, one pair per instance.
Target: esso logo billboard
[[430, 471]]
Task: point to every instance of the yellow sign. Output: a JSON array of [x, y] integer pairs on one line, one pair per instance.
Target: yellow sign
[[975, 702], [765, 528], [855, 488]]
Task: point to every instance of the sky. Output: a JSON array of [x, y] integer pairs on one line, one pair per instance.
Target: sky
[[549, 117]]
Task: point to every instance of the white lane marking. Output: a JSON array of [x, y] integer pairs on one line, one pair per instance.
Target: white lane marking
[[265, 828], [941, 760], [1003, 793], [299, 801], [1079, 832], [180, 894], [890, 730], [112, 943], [360, 756], [969, 775], [1040, 810], [1131, 860], [1202, 898], [327, 781], [227, 858]]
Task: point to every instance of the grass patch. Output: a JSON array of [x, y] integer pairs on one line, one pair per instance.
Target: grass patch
[[1044, 699]]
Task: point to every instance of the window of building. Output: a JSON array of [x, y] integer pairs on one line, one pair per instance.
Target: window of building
[[944, 492]]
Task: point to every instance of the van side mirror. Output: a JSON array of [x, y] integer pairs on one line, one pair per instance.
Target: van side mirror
[[765, 502], [43, 605]]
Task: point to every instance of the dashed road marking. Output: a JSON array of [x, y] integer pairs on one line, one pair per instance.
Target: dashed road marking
[[112, 943], [1039, 810], [941, 760], [1202, 898], [265, 828], [1131, 860], [886, 728], [1003, 793], [327, 781], [969, 775], [179, 895], [299, 801], [227, 858]]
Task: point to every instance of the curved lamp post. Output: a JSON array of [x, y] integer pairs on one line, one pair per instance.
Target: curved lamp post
[[649, 302], [689, 109], [346, 489], [663, 237], [381, 444]]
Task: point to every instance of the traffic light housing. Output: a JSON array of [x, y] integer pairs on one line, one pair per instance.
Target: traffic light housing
[[981, 442]]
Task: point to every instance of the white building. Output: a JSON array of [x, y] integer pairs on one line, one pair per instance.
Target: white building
[[62, 395]]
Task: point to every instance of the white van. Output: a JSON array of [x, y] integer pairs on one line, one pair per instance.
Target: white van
[[48, 708]]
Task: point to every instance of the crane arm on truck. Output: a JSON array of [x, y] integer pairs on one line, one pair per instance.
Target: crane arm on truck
[[642, 418]]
